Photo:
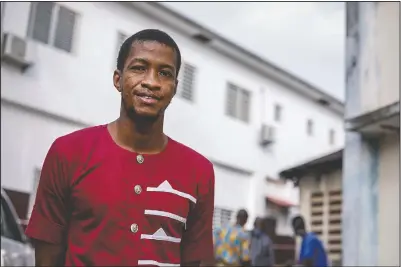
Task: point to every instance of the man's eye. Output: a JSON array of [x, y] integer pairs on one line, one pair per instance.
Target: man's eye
[[166, 73], [138, 68]]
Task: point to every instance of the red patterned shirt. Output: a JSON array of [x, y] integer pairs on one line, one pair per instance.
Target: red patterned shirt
[[115, 207]]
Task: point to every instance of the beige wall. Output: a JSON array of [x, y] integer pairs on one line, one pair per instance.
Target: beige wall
[[379, 57], [389, 202], [308, 185]]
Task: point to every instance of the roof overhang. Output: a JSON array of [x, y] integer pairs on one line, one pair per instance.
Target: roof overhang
[[216, 42], [382, 121], [280, 202], [319, 165]]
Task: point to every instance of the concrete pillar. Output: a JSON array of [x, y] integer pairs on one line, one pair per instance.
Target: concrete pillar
[[361, 164]]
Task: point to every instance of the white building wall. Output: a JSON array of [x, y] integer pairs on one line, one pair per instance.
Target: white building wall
[[379, 58], [79, 86]]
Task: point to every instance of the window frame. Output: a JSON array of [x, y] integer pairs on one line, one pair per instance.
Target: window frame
[[53, 26], [241, 98]]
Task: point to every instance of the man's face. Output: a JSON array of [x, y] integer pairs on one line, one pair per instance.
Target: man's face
[[299, 229], [148, 81]]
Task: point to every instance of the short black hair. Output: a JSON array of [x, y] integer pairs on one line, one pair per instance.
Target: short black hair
[[147, 35], [242, 213], [298, 220]]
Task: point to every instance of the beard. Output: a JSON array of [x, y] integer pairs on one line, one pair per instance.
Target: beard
[[140, 118]]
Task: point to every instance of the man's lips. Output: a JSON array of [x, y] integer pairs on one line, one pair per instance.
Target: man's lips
[[147, 98]]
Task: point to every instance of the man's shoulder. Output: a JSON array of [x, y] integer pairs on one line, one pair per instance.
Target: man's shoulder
[[191, 156], [77, 139]]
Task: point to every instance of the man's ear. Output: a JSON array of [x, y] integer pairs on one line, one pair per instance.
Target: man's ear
[[117, 80]]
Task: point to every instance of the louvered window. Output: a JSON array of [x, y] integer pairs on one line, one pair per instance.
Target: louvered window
[[186, 83], [221, 217], [334, 225], [52, 24], [317, 213], [238, 102]]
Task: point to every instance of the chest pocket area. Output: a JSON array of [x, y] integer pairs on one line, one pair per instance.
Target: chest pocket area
[[168, 208]]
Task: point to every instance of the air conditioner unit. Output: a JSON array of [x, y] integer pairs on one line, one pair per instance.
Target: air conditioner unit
[[17, 51], [267, 135]]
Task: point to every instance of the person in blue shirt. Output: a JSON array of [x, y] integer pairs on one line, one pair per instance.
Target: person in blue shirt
[[312, 251]]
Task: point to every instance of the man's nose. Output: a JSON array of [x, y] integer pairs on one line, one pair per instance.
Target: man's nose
[[151, 80]]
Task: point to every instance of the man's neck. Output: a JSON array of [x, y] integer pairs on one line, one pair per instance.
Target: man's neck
[[139, 136]]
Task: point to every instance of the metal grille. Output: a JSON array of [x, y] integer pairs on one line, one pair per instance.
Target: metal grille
[[317, 212], [221, 217], [187, 82], [334, 225], [244, 105]]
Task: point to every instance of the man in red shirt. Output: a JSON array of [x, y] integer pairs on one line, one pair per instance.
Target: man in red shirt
[[125, 193]]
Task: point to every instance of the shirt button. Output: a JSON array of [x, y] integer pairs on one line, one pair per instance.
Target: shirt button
[[139, 159], [138, 189], [134, 228]]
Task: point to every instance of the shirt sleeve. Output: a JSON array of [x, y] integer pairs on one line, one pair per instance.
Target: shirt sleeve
[[48, 221], [309, 249], [197, 240]]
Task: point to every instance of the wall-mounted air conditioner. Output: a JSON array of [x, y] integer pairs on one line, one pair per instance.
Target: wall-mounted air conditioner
[[17, 51], [267, 135]]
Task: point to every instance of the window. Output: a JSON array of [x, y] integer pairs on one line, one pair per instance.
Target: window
[[32, 197], [334, 224], [238, 102], [332, 137], [277, 112], [221, 217], [187, 81], [309, 127], [52, 24], [121, 37], [317, 212]]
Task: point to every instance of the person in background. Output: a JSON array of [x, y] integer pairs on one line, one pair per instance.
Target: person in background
[[312, 252], [256, 226], [262, 253], [231, 243]]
